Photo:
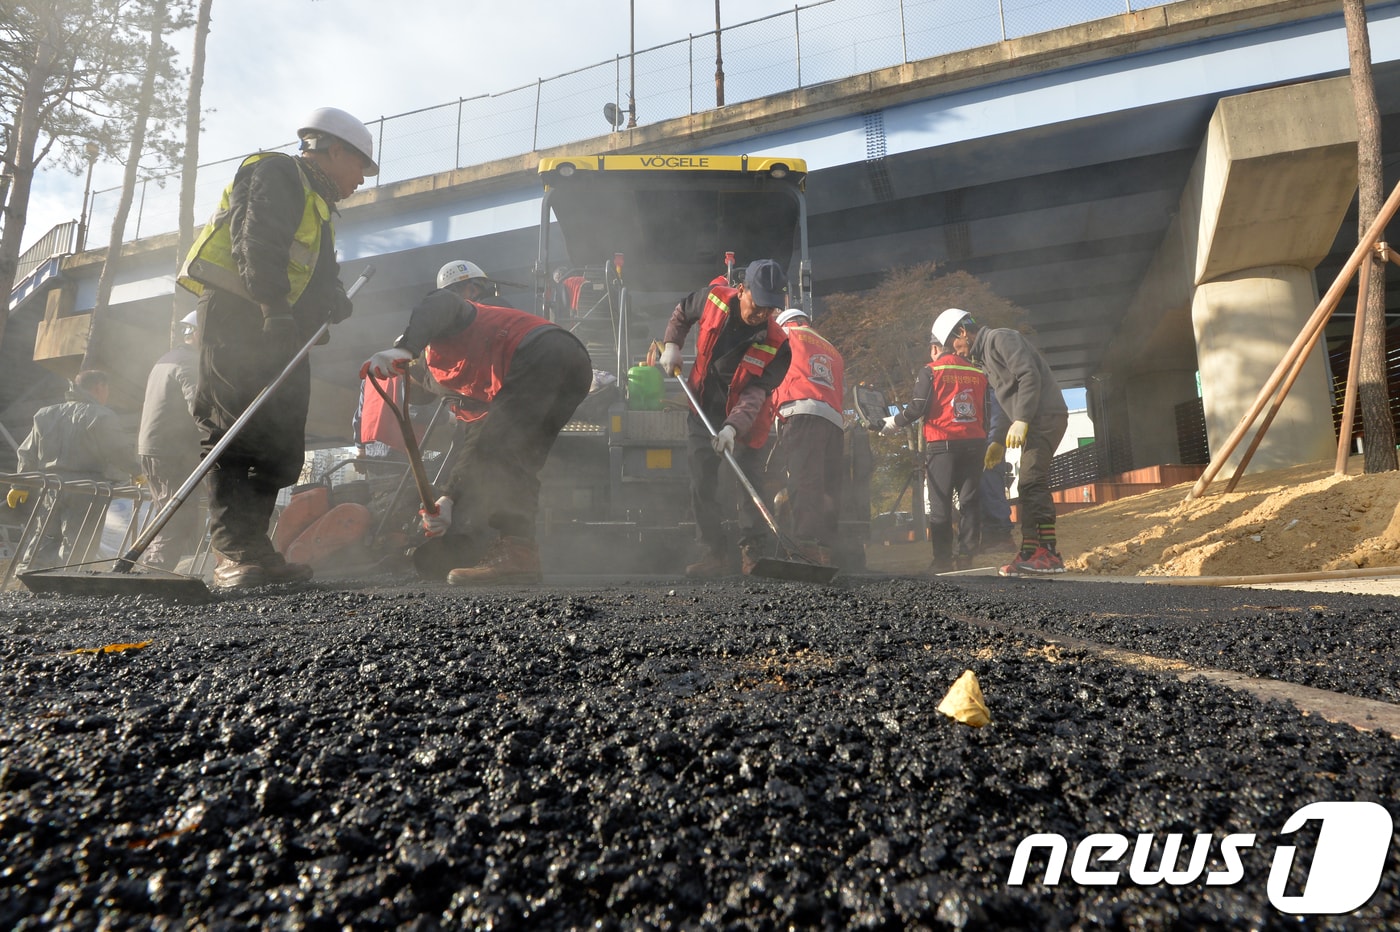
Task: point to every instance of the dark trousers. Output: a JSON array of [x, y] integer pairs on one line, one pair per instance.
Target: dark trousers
[[705, 466], [1037, 507], [955, 466], [498, 475], [180, 535], [813, 455], [236, 361]]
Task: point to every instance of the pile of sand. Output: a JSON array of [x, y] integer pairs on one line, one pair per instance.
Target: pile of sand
[[1294, 520]]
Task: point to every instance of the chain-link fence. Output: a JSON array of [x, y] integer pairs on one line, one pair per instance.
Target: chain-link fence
[[822, 41]]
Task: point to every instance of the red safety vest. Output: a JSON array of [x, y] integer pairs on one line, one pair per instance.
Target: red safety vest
[[757, 358], [474, 360], [958, 405], [817, 372]]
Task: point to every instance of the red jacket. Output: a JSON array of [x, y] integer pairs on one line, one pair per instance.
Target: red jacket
[[957, 407], [474, 360], [817, 374], [719, 303]]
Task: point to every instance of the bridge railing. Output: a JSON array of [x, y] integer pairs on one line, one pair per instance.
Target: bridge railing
[[811, 44]]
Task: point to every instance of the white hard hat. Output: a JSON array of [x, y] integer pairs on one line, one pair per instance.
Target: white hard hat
[[946, 323], [790, 314], [191, 319], [458, 270], [344, 127]]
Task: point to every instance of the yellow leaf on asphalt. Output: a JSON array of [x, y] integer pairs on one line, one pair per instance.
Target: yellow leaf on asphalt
[[111, 648]]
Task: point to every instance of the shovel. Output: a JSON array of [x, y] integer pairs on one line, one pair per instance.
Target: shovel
[[120, 580], [800, 569], [436, 556]]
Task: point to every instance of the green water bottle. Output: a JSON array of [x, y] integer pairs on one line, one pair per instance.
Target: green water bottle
[[644, 388]]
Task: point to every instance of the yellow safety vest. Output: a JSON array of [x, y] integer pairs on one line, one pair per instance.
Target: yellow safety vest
[[210, 261]]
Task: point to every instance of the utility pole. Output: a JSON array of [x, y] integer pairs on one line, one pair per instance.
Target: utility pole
[[719, 61], [91, 150]]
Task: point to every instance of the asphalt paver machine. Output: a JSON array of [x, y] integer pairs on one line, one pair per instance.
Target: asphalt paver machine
[[623, 238]]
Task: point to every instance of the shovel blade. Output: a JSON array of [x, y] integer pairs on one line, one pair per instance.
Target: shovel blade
[[773, 568], [93, 583]]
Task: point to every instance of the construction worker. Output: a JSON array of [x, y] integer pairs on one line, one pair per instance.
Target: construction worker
[[77, 439], [950, 395], [265, 270], [532, 374], [1026, 389], [741, 356], [812, 434], [168, 442]]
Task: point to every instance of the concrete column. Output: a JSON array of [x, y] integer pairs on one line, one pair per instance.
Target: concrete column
[[1244, 325]]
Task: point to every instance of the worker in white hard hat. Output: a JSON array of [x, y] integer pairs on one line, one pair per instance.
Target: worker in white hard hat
[[266, 273], [812, 435], [1027, 390], [950, 397], [530, 374], [168, 443]]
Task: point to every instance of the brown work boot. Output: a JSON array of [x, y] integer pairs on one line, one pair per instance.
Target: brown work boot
[[229, 574], [749, 555], [280, 571], [709, 567], [509, 560]]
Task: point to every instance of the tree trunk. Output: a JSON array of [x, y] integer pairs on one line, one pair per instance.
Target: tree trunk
[[133, 164], [27, 124], [184, 302], [1372, 388]]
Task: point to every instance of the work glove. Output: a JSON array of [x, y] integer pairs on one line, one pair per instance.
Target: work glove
[[723, 441], [440, 523], [17, 497], [1016, 436], [386, 363], [340, 309], [671, 359], [280, 329], [887, 427], [994, 455]]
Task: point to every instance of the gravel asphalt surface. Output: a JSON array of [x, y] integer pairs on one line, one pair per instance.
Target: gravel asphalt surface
[[663, 754]]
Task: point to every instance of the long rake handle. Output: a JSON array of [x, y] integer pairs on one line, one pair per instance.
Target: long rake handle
[[410, 444], [127, 560], [738, 471]]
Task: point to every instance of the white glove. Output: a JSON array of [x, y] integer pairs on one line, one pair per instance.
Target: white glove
[[671, 358], [887, 427], [440, 523], [386, 363], [724, 440], [1016, 436]]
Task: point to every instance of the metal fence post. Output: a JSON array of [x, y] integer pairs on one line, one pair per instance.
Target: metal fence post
[[380, 160], [903, 35], [535, 142], [457, 155], [797, 34], [690, 72], [1001, 15], [140, 209]]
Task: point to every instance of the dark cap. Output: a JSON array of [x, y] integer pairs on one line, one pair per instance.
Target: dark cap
[[765, 280]]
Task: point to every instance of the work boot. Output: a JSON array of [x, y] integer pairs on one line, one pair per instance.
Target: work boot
[[280, 571], [510, 560], [710, 566], [1041, 563], [963, 561], [229, 574], [749, 555]]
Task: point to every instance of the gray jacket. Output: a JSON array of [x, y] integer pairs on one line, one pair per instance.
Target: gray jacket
[[1021, 378], [78, 439], [167, 418]]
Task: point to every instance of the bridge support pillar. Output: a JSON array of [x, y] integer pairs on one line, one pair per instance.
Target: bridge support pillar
[[1244, 324]]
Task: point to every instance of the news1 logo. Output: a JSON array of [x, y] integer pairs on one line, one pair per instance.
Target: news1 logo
[[1353, 844]]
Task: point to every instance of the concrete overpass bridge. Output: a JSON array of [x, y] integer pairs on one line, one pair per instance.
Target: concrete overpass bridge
[[1163, 190]]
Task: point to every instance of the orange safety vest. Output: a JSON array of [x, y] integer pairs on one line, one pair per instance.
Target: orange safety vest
[[757, 358], [474, 360], [958, 403], [817, 372]]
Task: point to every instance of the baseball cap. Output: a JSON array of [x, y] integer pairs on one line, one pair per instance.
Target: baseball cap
[[765, 280]]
